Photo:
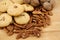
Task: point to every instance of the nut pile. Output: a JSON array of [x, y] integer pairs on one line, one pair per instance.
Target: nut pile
[[25, 17]]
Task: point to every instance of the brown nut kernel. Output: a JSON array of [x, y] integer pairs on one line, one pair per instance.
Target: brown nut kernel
[[19, 35], [35, 2], [17, 31], [25, 35], [47, 6], [10, 33], [26, 1], [36, 12], [36, 33], [6, 30], [50, 13], [10, 28]]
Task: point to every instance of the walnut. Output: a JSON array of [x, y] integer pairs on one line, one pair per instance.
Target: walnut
[[35, 2], [26, 1], [47, 6]]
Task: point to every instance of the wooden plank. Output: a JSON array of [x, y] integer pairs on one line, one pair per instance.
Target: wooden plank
[[49, 33]]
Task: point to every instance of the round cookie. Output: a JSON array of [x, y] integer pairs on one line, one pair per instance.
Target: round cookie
[[4, 4], [17, 1], [22, 19], [5, 20], [15, 9], [28, 7]]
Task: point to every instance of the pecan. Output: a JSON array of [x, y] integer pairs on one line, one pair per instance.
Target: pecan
[[36, 16], [25, 35], [6, 30], [43, 10], [36, 33], [50, 13], [16, 28], [29, 26], [19, 35], [16, 31], [47, 19], [10, 33], [10, 27]]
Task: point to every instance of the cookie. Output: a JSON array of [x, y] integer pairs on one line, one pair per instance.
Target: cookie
[[5, 20], [22, 19], [4, 4], [15, 9], [28, 7], [17, 1]]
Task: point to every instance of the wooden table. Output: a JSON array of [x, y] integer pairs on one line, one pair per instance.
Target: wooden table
[[49, 33]]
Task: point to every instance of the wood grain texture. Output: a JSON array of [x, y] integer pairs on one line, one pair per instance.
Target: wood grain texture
[[51, 32], [55, 19]]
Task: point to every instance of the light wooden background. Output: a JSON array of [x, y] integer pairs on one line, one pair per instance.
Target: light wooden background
[[49, 33]]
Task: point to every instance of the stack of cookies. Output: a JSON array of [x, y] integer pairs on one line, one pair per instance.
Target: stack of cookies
[[25, 17]]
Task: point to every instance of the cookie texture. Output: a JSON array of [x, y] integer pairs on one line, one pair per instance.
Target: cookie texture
[[28, 7], [15, 9], [4, 4], [5, 20], [22, 19]]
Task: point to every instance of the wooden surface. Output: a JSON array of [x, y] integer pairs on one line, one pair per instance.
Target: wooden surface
[[49, 33]]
